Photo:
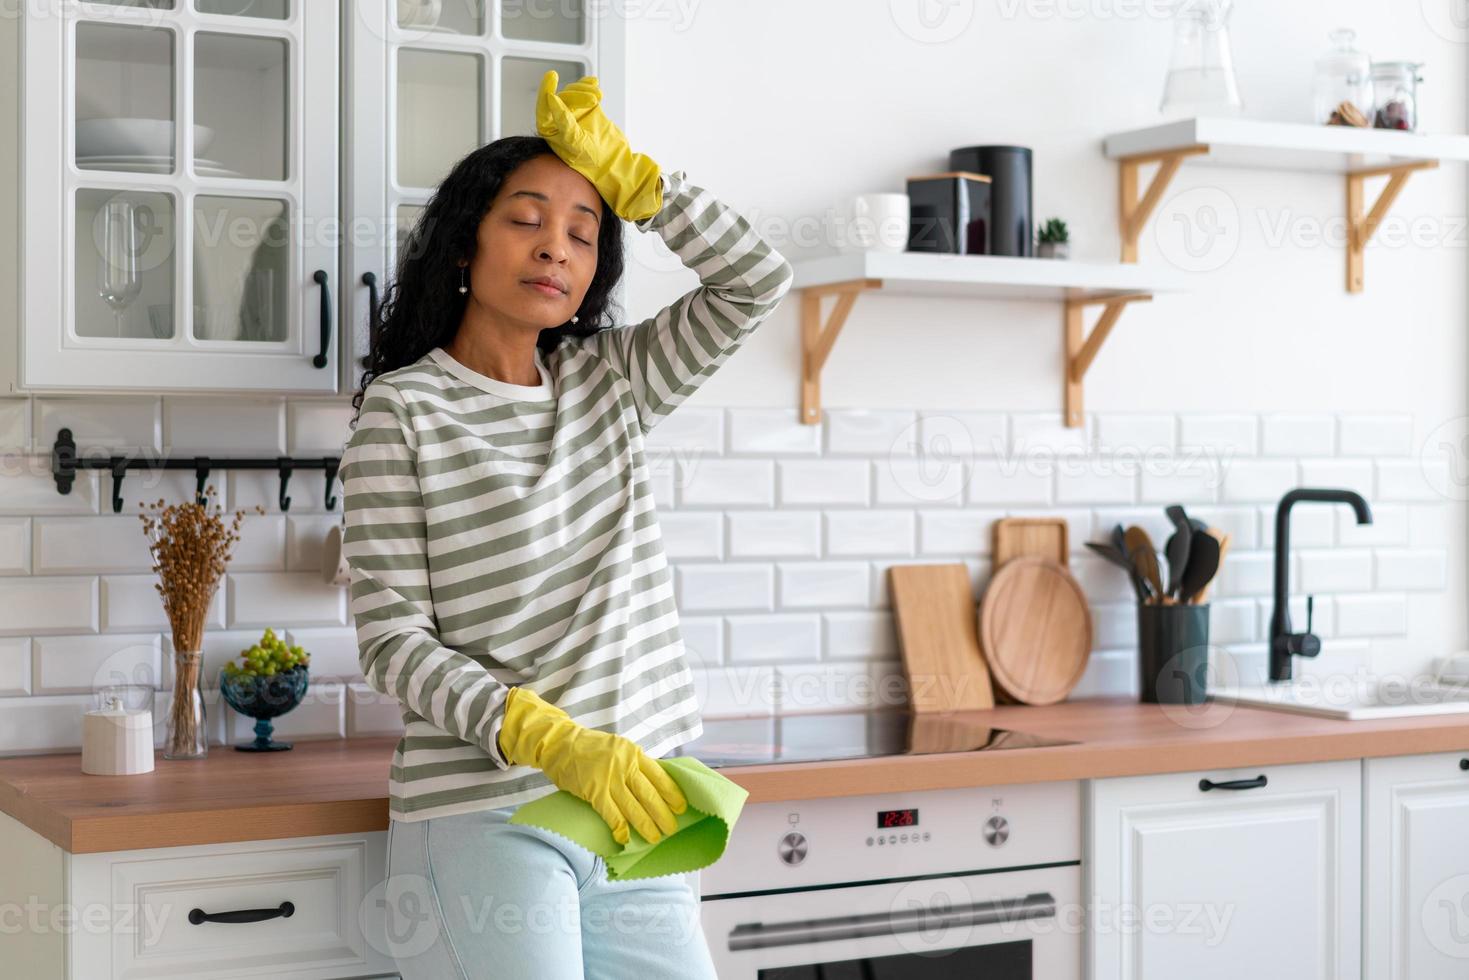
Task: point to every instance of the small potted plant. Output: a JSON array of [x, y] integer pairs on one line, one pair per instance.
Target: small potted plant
[[269, 680], [1053, 241]]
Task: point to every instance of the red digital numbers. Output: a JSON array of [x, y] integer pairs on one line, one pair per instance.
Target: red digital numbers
[[897, 818]]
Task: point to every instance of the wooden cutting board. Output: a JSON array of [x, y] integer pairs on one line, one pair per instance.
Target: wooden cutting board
[[1036, 630], [935, 612], [1013, 537]]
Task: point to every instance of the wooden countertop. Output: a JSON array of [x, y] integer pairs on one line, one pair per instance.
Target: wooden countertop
[[340, 785]]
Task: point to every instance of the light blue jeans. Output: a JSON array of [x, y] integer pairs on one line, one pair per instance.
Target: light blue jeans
[[472, 896]]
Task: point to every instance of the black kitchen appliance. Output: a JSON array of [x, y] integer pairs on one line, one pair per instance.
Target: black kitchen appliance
[[949, 213]]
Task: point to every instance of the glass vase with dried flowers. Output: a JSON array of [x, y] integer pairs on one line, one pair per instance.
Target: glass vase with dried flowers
[[191, 547]]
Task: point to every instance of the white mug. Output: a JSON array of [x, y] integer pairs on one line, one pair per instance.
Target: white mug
[[334, 570], [877, 222]]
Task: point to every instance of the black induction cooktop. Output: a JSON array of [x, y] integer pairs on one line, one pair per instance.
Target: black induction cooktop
[[825, 736]]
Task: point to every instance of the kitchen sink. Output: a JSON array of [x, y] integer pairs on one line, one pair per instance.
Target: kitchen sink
[[1353, 701]]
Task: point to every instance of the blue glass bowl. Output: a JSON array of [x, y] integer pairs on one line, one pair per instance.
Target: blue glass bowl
[[264, 698]]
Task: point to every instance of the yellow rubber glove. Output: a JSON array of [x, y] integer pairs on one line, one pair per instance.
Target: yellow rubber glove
[[612, 773], [591, 144]]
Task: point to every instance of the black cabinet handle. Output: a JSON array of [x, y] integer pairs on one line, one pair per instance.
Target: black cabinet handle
[[319, 361], [286, 910], [369, 279], [1208, 784], [1464, 764]]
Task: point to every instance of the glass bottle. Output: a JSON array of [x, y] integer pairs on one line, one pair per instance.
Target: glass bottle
[[185, 736], [1200, 77], [1343, 85], [1395, 94]]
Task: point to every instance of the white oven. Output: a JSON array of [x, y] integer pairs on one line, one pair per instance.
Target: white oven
[[939, 885]]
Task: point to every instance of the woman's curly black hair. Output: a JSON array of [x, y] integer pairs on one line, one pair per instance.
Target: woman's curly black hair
[[422, 307]]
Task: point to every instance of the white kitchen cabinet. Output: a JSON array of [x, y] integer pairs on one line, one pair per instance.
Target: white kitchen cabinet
[[1222, 883], [180, 174], [1415, 870], [418, 98], [126, 915]]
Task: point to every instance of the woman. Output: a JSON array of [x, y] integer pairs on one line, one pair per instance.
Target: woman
[[509, 585]]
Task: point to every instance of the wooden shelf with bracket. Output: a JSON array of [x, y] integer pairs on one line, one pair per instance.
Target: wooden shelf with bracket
[[1343, 151], [1075, 286]]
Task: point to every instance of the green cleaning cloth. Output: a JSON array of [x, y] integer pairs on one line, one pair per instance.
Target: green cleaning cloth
[[703, 828]]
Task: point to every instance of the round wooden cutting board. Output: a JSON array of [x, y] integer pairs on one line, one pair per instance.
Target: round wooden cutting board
[[1036, 630]]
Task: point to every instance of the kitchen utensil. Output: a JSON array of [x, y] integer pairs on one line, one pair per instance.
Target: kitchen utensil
[[1036, 630], [1140, 550], [1008, 168], [1109, 552], [1223, 539], [1343, 75], [949, 212], [1173, 653], [1203, 564], [1013, 537], [1177, 547], [1200, 79], [877, 222], [934, 608], [1395, 94]]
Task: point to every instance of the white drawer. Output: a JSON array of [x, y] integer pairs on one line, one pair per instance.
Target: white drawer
[[146, 897]]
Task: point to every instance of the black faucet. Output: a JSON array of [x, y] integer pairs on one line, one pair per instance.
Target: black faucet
[[1283, 643]]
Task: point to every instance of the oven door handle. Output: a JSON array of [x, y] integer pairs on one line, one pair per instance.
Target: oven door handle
[[761, 935]]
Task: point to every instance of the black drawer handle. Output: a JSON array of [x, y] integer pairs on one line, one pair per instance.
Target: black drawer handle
[[319, 277], [286, 910], [1208, 784], [1464, 764]]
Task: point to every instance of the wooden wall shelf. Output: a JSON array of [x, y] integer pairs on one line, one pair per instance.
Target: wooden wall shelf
[[1074, 285], [1344, 151]]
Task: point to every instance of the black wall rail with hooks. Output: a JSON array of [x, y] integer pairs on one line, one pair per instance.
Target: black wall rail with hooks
[[65, 464]]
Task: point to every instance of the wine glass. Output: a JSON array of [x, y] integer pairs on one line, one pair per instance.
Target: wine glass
[[118, 282]]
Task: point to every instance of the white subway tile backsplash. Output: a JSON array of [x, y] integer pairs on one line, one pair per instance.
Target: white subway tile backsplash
[[15, 668], [1336, 570], [1418, 571], [98, 424], [828, 482], [48, 604], [779, 535], [15, 546], [747, 585], [726, 483], [773, 638], [1021, 480], [862, 533], [82, 664], [1376, 435], [692, 534], [1140, 435], [875, 433], [823, 585], [15, 425], [963, 433], [922, 482], [772, 431], [1251, 480], [1298, 435], [774, 534], [1226, 436], [859, 635]]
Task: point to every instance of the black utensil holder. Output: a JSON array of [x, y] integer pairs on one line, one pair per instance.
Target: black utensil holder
[[1172, 653]]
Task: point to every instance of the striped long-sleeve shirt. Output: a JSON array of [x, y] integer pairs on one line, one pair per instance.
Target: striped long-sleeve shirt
[[502, 534]]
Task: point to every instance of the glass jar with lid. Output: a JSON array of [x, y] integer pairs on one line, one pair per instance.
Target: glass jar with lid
[[1343, 84], [1395, 94]]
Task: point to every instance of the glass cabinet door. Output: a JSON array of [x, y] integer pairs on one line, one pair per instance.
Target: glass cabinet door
[[431, 80], [181, 171]]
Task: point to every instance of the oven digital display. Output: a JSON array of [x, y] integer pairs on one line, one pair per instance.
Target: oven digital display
[[897, 818]]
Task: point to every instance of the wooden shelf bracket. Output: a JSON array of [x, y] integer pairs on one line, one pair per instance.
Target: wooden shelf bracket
[[1082, 351], [817, 338], [1362, 222], [1133, 211]]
